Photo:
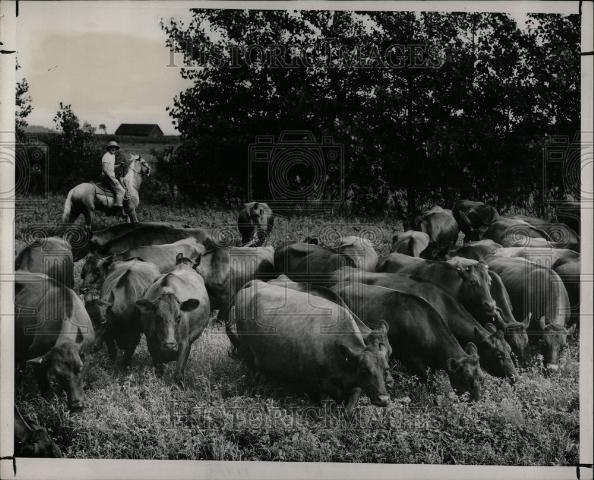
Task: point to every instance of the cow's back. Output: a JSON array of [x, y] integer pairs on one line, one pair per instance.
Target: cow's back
[[291, 333], [47, 312], [51, 256], [533, 289], [157, 235]]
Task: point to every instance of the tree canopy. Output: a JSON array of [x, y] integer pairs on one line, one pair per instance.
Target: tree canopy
[[427, 106]]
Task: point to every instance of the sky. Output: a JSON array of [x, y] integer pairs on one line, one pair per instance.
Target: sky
[[108, 59]]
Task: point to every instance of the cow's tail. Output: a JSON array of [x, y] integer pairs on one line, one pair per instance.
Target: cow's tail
[[67, 207]]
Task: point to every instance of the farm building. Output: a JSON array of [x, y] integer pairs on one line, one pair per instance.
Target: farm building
[[139, 130]]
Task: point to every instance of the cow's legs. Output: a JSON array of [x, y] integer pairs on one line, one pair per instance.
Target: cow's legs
[[130, 349], [182, 360]]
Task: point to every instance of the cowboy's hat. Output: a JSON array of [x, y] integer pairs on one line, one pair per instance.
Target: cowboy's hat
[[113, 144]]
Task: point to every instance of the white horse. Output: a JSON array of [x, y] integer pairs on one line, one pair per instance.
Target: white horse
[[85, 198]]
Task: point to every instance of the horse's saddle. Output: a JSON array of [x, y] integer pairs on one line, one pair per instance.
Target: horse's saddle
[[102, 189]]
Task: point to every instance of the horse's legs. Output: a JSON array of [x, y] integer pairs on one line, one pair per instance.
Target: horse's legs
[[89, 218], [132, 217]]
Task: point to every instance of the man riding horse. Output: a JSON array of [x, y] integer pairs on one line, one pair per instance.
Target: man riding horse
[[108, 165]]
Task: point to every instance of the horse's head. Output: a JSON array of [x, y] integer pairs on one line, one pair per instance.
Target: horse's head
[[141, 165]]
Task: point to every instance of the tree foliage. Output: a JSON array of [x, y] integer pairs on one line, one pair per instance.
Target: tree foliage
[[462, 108], [23, 104]]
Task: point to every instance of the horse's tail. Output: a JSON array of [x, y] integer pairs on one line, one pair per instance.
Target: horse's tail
[[67, 207]]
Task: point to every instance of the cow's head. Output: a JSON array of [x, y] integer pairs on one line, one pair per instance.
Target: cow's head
[[554, 338], [160, 319], [472, 232], [370, 368], [465, 372], [64, 362], [379, 339], [475, 293], [94, 271], [516, 336], [39, 444], [495, 352]]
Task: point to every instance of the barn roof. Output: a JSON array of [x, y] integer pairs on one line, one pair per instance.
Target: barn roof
[[139, 129]]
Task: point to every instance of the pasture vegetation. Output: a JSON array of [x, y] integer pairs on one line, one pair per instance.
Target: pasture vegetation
[[223, 414]]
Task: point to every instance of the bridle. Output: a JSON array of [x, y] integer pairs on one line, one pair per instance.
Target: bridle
[[143, 164]]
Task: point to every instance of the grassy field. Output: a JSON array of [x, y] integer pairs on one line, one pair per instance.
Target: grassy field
[[223, 415]]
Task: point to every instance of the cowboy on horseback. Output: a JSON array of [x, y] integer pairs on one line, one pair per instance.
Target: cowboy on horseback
[[108, 166]]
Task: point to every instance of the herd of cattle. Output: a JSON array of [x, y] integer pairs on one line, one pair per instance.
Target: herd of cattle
[[326, 318]]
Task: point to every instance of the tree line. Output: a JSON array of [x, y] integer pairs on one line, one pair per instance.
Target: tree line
[[428, 106]]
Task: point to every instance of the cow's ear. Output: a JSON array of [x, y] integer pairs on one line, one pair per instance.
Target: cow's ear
[[471, 349], [490, 327], [452, 364], [79, 336], [179, 257], [526, 321], [542, 322], [189, 305], [145, 306], [40, 360]]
